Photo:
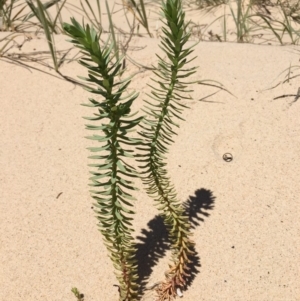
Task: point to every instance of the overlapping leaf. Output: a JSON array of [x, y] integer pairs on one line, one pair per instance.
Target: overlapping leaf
[[162, 110], [112, 178]]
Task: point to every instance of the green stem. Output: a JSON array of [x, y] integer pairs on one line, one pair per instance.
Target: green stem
[[112, 199], [180, 249]]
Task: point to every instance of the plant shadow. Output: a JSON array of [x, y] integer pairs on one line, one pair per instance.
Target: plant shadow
[[153, 242]]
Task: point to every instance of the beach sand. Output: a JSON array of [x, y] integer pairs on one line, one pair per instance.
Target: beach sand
[[245, 212]]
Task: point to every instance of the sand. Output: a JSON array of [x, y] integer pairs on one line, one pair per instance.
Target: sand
[[245, 213]]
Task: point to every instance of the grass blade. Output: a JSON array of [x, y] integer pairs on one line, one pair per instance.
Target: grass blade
[[225, 25], [86, 13], [99, 13], [111, 25], [58, 15], [272, 29], [2, 52], [50, 40], [145, 20], [92, 11], [142, 14]]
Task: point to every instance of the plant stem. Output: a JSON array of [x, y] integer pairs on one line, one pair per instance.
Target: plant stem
[[157, 133], [112, 200]]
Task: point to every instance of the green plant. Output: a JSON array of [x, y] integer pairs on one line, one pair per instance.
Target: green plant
[[8, 19], [43, 16], [224, 25], [280, 28], [12, 17], [138, 12], [157, 130], [113, 174], [207, 4], [77, 294], [50, 26], [96, 21], [2, 2], [241, 20], [111, 26], [20, 22], [245, 22]]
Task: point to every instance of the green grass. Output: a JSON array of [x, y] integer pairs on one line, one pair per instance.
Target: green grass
[[12, 12], [288, 26], [23, 16], [139, 12], [201, 4]]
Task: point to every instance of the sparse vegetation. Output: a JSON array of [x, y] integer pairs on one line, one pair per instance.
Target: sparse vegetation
[[113, 178], [256, 21], [77, 294], [158, 127]]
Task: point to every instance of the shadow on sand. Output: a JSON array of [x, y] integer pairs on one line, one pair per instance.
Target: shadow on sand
[[153, 242]]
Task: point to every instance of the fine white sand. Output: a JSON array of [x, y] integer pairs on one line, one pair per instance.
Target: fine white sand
[[245, 212]]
